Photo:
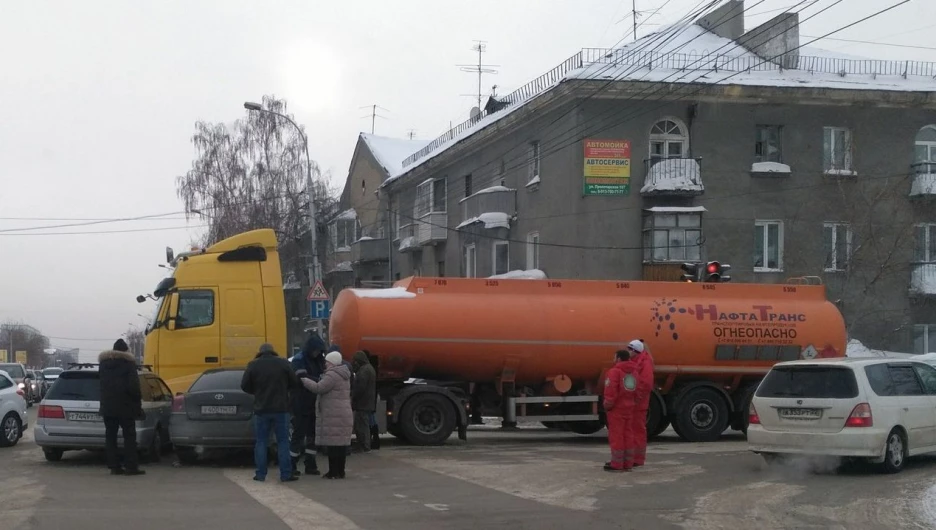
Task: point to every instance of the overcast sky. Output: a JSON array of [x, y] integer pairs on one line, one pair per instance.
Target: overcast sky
[[99, 99]]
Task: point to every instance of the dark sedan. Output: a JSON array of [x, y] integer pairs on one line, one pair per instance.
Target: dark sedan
[[214, 414]]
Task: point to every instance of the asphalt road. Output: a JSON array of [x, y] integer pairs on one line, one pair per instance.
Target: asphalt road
[[531, 478]]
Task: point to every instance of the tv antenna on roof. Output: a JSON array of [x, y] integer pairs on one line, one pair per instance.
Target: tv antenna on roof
[[373, 115], [480, 68]]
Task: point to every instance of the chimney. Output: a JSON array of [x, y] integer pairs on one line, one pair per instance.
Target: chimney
[[776, 40], [727, 21]]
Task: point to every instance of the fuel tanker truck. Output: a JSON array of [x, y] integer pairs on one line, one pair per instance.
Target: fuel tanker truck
[[527, 349], [538, 349]]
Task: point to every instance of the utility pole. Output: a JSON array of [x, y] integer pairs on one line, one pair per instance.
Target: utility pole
[[373, 115], [634, 4], [411, 133], [480, 47]]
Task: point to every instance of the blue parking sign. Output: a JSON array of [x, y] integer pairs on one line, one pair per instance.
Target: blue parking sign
[[319, 309]]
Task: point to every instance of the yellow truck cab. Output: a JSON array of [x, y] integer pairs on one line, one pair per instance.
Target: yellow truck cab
[[216, 309]]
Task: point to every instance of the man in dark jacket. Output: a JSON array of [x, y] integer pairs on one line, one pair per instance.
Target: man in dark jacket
[[269, 379], [121, 406], [312, 360], [363, 399]]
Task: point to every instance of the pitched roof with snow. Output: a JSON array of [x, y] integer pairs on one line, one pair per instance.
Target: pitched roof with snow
[[690, 54], [390, 152]]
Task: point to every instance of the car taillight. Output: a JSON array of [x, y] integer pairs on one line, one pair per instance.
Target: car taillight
[[860, 416], [51, 412], [178, 404], [753, 418]]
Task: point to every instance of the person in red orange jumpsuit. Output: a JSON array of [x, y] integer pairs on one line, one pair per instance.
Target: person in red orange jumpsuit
[[620, 400], [641, 357]]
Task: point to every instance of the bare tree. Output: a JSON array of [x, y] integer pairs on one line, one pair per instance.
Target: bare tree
[[135, 340], [18, 336], [253, 175]]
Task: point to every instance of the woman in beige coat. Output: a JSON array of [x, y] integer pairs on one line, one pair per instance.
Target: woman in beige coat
[[334, 420]]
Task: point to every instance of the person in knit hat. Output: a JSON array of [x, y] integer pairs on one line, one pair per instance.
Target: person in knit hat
[[334, 421], [121, 404]]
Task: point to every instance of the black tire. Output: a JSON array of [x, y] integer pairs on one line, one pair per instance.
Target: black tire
[[701, 415], [584, 427], [52, 454], [551, 424], [427, 419], [186, 455], [394, 430], [742, 416], [656, 421], [11, 430], [154, 451], [895, 452]]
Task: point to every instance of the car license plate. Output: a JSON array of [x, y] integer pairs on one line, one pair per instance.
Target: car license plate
[[801, 414], [219, 409], [84, 416]]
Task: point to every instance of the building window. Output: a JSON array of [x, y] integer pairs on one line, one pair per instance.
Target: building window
[[534, 161], [468, 190], [430, 197], [501, 257], [668, 139], [768, 246], [924, 338], [837, 149], [441, 268], [924, 156], [768, 145], [672, 237], [470, 261], [925, 244], [532, 251], [345, 232], [836, 246]]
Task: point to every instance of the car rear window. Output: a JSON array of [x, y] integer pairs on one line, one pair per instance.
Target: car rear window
[[52, 371], [16, 371], [76, 386], [223, 380], [818, 382]]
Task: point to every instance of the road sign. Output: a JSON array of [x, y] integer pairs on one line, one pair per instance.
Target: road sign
[[319, 309], [318, 292], [21, 357]]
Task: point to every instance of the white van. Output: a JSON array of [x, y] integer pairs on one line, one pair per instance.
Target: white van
[[882, 410]]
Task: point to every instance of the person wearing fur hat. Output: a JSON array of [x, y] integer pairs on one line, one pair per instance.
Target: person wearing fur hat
[[121, 405], [334, 421]]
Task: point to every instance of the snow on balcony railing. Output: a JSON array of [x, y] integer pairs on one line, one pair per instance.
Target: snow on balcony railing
[[923, 279], [673, 176], [924, 184]]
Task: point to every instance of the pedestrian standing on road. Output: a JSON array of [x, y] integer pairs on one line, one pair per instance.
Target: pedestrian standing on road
[[620, 402], [334, 420], [269, 379], [640, 355], [121, 405], [312, 360], [374, 427], [363, 399]]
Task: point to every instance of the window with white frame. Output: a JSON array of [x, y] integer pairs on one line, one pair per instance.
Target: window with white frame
[[430, 197], [344, 233], [768, 246], [836, 245], [470, 261], [924, 338], [535, 155], [924, 154], [837, 149], [925, 243], [532, 251], [672, 237], [768, 144], [668, 139], [501, 257]]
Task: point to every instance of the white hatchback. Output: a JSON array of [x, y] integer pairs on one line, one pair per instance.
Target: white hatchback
[[13, 418], [882, 410]]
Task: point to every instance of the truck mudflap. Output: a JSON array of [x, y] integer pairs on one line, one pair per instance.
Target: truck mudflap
[[426, 414]]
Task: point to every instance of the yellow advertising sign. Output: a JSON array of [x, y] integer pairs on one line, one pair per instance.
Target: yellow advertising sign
[[21, 357], [607, 167]]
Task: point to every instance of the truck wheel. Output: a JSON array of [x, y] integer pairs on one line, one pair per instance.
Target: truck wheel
[[427, 419], [701, 415], [552, 424], [584, 427], [656, 421]]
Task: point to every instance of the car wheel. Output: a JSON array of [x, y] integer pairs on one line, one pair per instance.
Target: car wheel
[[186, 455], [154, 451], [53, 455], [11, 430], [895, 452]]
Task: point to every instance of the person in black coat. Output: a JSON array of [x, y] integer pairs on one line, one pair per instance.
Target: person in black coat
[[121, 406], [312, 360], [270, 379]]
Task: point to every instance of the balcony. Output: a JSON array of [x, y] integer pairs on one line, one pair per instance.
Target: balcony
[[662, 272], [924, 180], [407, 236], [493, 199], [432, 228], [673, 177], [368, 249], [923, 279]]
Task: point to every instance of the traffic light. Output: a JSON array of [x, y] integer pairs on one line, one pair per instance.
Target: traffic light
[[691, 272], [715, 272]]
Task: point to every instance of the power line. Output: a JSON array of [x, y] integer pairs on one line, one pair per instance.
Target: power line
[[9, 234], [878, 43]]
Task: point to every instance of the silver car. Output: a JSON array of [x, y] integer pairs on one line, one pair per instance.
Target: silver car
[[21, 377], [69, 418], [13, 417]]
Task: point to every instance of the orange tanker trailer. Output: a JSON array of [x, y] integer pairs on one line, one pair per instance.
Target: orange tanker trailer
[[544, 345]]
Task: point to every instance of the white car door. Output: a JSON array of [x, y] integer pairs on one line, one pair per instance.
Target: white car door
[[919, 410], [927, 375]]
